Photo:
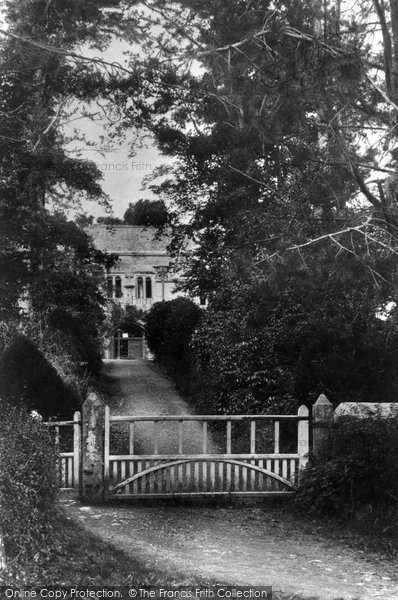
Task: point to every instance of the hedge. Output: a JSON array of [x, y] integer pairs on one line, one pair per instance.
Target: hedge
[[28, 482], [28, 379], [362, 474]]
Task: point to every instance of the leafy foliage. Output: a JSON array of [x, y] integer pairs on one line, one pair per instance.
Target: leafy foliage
[[272, 345], [170, 325], [27, 379], [49, 262], [28, 483], [274, 181], [146, 212], [362, 474], [109, 221], [82, 338]]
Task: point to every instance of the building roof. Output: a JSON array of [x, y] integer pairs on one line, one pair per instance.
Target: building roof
[[129, 240]]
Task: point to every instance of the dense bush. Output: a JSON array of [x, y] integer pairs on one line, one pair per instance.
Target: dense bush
[[170, 325], [169, 329], [26, 378], [239, 365], [147, 213], [362, 474], [272, 345], [80, 338], [28, 482]]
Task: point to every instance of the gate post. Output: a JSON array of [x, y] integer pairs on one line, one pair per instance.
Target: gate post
[[322, 413], [93, 449], [303, 437], [77, 443]]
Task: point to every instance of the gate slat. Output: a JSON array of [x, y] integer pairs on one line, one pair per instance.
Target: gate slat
[[172, 479], [244, 479], [204, 429], [149, 478], [276, 471], [180, 477], [196, 476], [284, 468], [292, 470], [252, 476], [204, 477], [220, 482], [269, 482], [229, 435], [139, 482], [180, 437], [114, 473], [135, 483], [276, 437], [155, 437], [253, 437], [236, 478], [131, 437], [260, 475], [213, 476]]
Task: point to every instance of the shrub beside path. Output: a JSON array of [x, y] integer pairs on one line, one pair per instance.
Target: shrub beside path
[[238, 545]]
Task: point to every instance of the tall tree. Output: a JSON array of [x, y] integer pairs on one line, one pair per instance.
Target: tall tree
[[146, 212], [275, 124], [284, 136], [38, 87]]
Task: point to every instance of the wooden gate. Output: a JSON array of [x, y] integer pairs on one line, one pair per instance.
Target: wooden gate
[[244, 455], [67, 439]]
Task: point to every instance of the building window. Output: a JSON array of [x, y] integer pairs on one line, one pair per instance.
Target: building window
[[114, 287], [109, 287], [118, 287], [140, 287], [148, 287]]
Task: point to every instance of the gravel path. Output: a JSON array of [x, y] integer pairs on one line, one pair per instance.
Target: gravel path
[[141, 388], [229, 545]]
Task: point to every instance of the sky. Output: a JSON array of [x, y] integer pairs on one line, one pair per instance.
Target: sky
[[122, 174]]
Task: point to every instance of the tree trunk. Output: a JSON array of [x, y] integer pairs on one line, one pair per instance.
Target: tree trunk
[[394, 58]]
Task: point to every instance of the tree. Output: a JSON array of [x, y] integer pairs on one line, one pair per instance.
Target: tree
[[275, 126], [84, 220], [151, 213], [45, 260], [37, 87], [109, 221], [279, 182], [170, 326], [29, 381]]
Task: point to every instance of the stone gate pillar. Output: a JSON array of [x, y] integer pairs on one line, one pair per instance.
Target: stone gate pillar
[[93, 423], [322, 413]]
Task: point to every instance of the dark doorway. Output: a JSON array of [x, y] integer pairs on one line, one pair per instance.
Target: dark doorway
[[129, 344]]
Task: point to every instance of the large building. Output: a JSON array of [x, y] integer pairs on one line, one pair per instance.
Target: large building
[[142, 275]]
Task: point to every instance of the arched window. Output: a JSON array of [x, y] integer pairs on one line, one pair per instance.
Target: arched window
[[109, 287], [148, 287], [140, 287], [118, 287]]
